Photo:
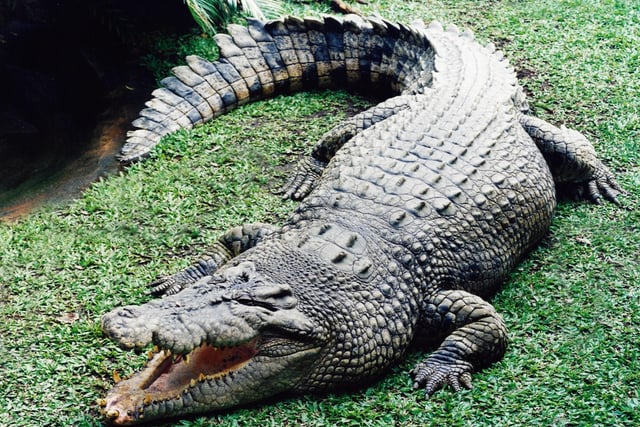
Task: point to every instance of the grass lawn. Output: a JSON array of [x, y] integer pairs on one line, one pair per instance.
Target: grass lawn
[[572, 308]]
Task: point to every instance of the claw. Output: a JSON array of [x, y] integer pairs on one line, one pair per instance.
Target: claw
[[465, 379], [432, 375], [594, 192], [604, 185], [169, 285], [455, 384], [302, 182], [432, 386]]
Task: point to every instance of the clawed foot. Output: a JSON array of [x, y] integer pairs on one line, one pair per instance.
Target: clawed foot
[[168, 285], [604, 185], [432, 375], [302, 182]]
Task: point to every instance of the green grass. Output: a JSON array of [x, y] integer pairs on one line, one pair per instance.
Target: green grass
[[572, 307]]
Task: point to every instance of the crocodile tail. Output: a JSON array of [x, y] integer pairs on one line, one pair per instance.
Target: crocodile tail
[[288, 55]]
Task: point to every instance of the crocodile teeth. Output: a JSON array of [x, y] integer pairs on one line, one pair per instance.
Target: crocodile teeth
[[187, 358]]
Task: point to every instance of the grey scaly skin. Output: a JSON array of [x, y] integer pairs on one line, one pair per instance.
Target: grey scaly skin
[[411, 213]]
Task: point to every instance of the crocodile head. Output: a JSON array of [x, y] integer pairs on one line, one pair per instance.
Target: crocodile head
[[235, 338]]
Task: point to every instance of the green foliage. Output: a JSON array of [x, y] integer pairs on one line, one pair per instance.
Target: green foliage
[[572, 307], [169, 50], [262, 9], [210, 14], [213, 14]]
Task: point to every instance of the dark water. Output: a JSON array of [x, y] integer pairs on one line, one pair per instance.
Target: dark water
[[71, 83], [50, 176]]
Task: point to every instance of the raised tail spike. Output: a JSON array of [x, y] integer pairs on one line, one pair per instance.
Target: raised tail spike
[[418, 23], [435, 25], [453, 28], [468, 34]]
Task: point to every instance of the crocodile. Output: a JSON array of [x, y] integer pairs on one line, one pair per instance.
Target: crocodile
[[412, 213]]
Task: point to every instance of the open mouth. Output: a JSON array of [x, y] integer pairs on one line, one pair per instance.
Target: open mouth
[[167, 376], [176, 373]]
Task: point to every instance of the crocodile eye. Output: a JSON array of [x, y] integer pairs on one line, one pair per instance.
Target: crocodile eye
[[273, 296]]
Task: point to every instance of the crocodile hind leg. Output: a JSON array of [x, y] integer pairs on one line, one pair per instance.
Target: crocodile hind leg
[[309, 169], [232, 243], [572, 160], [474, 337]]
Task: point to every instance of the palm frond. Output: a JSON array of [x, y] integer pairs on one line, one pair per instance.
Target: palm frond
[[262, 9], [212, 14]]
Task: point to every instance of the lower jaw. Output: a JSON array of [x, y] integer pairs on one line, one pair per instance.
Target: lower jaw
[[173, 381]]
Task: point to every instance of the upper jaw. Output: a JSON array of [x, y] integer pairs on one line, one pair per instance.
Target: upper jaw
[[173, 326]]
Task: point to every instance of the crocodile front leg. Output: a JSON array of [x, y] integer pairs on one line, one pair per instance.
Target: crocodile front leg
[[572, 160], [232, 243], [309, 169], [475, 337]]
